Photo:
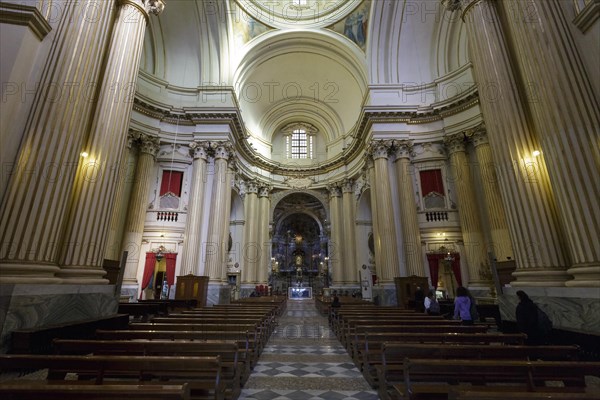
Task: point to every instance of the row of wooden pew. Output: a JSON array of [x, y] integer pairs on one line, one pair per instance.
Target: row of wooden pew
[[199, 353], [409, 355]]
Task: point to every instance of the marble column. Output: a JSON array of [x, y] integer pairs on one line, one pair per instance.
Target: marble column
[[566, 113], [34, 209], [385, 239], [501, 246], [350, 267], [250, 251], [264, 262], [370, 165], [229, 180], [524, 186], [470, 223], [190, 257], [217, 224], [138, 206], [411, 233], [97, 177], [119, 213], [336, 249]]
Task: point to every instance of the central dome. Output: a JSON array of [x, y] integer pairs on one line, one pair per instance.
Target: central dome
[[303, 14]]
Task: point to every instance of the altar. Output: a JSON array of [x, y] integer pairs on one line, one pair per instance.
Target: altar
[[300, 293]]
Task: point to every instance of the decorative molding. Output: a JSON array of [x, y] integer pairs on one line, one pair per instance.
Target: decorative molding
[[299, 182], [586, 18], [149, 144], [21, 14]]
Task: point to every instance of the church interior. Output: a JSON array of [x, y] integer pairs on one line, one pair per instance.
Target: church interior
[[228, 151]]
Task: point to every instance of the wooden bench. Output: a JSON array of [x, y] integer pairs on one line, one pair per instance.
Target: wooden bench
[[39, 340], [233, 367], [368, 346], [28, 389], [479, 395], [143, 311], [438, 379], [389, 366], [203, 374], [247, 343]]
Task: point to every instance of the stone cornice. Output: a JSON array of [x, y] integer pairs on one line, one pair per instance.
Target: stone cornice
[[21, 14], [231, 116]]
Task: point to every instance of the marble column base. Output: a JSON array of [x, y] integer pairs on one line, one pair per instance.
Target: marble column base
[[130, 291], [576, 309], [82, 276], [15, 273], [218, 294], [585, 275], [542, 277], [32, 306]]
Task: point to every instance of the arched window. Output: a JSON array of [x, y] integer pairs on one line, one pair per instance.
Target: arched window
[[299, 142]]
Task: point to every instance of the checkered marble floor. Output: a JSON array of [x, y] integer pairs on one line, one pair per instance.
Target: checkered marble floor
[[304, 361]]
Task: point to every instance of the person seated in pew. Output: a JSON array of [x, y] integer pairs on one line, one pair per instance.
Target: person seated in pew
[[432, 307], [462, 306]]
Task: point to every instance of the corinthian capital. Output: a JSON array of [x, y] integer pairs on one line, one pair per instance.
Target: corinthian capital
[[478, 136], [452, 5], [154, 6], [200, 149], [149, 144], [223, 150], [348, 185], [455, 143], [334, 190], [403, 149], [380, 149]]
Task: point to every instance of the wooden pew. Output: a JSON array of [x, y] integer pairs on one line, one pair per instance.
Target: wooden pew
[[203, 374], [143, 311], [438, 379], [360, 330], [389, 366], [247, 342], [367, 347], [28, 389], [233, 367], [39, 340], [479, 395]]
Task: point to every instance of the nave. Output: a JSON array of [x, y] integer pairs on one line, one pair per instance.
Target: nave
[[304, 360]]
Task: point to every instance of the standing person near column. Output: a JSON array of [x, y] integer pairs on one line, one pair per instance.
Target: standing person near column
[[462, 306]]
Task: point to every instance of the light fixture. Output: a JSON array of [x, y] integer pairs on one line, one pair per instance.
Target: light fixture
[[84, 154], [536, 153]]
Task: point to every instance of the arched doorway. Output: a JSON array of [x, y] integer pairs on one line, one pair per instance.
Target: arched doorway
[[299, 250]]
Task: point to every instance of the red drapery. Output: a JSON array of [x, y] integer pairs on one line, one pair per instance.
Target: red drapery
[[148, 269], [171, 259], [431, 181], [171, 182], [434, 265]]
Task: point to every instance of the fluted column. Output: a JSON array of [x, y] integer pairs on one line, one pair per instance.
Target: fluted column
[[98, 175], [501, 245], [191, 247], [250, 251], [119, 213], [470, 224], [349, 211], [411, 233], [138, 205], [217, 224], [226, 217], [34, 209], [524, 186], [566, 113], [336, 252], [370, 165], [385, 238], [264, 205]]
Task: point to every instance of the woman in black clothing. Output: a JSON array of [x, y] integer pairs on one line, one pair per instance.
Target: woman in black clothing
[[527, 320]]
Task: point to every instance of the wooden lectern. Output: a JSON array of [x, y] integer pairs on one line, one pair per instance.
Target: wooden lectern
[[192, 287]]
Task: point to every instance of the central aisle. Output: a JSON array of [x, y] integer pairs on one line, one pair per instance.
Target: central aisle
[[303, 360]]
